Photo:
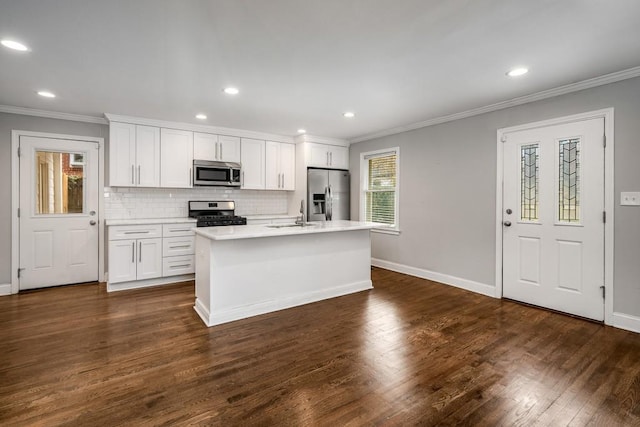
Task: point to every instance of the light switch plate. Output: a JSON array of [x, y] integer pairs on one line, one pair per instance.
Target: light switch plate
[[628, 198]]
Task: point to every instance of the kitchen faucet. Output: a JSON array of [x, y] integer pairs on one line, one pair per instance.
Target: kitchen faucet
[[303, 220]]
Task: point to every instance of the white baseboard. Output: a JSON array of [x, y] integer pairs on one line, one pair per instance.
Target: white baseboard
[[469, 285], [626, 321], [5, 289], [136, 284], [242, 312]]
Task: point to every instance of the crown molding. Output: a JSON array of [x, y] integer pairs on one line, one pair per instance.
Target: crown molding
[[198, 128], [51, 114], [550, 93], [321, 140]]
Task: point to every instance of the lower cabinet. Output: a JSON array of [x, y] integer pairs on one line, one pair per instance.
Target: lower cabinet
[[141, 255]]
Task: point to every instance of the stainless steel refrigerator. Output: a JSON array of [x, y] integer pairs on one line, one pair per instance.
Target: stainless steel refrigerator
[[327, 194]]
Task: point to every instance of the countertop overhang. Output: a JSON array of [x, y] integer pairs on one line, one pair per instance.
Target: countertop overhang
[[235, 232]]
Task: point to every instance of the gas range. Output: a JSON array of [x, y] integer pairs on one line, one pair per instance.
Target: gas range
[[215, 213]]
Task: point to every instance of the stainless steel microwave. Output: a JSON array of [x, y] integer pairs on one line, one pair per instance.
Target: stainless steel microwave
[[210, 173]]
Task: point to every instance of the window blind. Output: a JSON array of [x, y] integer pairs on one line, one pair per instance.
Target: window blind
[[380, 194]]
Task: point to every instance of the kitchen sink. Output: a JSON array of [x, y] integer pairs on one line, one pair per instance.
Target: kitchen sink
[[306, 224]]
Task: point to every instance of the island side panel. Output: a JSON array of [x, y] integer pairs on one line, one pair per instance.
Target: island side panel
[[203, 278], [254, 276]]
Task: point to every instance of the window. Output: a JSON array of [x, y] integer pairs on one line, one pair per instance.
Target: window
[[379, 197]]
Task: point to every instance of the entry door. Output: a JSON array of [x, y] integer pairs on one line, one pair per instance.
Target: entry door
[[58, 212], [553, 228]]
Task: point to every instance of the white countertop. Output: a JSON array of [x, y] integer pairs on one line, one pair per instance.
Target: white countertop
[[261, 217], [143, 221], [255, 231]]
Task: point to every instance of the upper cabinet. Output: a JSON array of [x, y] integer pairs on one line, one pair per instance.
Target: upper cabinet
[[280, 165], [327, 156], [222, 148], [134, 155], [176, 158], [253, 163]]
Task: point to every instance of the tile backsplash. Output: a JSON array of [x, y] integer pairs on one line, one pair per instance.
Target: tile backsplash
[[136, 203]]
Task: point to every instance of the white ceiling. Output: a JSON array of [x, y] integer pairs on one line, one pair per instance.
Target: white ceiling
[[302, 63]]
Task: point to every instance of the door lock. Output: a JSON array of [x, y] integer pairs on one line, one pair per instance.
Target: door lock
[[507, 223], [92, 222]]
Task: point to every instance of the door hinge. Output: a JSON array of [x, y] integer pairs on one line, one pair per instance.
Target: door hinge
[[18, 151], [503, 138], [603, 291], [19, 272], [18, 212], [604, 141], [604, 217]]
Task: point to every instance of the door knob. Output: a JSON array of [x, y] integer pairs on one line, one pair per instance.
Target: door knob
[[92, 222], [507, 223]]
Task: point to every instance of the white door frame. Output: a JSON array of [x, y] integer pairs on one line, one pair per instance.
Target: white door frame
[[15, 199], [609, 204]]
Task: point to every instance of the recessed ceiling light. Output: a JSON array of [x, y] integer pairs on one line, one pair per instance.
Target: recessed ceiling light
[[201, 116], [46, 94], [12, 44], [349, 114], [302, 131], [517, 72], [231, 91]]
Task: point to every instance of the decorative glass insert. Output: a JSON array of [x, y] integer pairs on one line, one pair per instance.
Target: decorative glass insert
[[59, 182], [569, 180], [529, 193]]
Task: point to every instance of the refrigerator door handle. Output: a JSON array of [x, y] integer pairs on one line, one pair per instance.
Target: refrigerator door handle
[[326, 203], [330, 205]]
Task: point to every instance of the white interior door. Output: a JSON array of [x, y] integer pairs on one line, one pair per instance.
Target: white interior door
[[59, 233], [553, 227]]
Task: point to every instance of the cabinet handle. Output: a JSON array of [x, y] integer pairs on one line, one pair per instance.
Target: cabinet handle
[[327, 158], [190, 178], [330, 159], [180, 266], [138, 174], [140, 252], [136, 232], [177, 231], [133, 175], [179, 247], [133, 252], [216, 156], [242, 184], [282, 179]]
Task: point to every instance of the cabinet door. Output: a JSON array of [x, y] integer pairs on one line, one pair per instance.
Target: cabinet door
[[272, 167], [339, 157], [147, 156], [122, 154], [317, 155], [252, 158], [149, 258], [176, 158], [288, 166], [229, 148], [122, 261], [205, 146]]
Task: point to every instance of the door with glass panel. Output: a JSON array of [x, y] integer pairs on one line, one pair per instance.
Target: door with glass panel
[[553, 229], [58, 212]]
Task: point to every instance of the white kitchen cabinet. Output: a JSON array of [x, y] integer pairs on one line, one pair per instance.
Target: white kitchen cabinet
[[176, 158], [222, 148], [252, 153], [134, 155], [280, 165], [327, 156], [135, 252]]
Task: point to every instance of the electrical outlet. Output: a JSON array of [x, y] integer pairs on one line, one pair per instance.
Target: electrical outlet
[[628, 198]]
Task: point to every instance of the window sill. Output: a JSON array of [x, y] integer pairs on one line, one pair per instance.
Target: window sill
[[391, 231]]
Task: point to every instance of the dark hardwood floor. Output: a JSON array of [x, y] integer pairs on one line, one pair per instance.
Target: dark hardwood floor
[[408, 352]]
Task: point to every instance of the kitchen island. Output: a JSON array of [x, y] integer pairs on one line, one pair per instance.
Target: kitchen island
[[243, 271]]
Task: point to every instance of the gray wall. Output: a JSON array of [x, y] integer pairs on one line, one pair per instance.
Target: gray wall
[[9, 122], [448, 189]]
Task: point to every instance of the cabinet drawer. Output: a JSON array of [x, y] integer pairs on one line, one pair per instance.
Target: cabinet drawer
[[175, 265], [181, 245], [121, 232], [185, 229]]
